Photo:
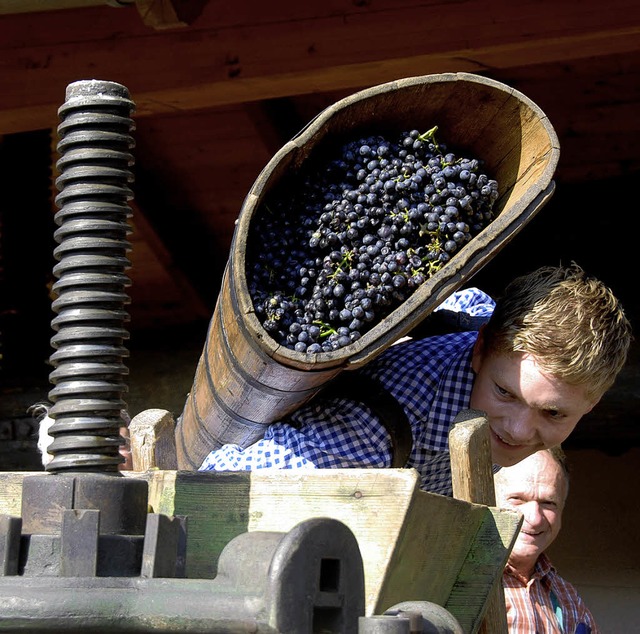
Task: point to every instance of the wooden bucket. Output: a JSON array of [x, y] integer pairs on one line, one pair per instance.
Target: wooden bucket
[[244, 379]]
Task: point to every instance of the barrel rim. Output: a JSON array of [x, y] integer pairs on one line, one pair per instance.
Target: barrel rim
[[438, 287]]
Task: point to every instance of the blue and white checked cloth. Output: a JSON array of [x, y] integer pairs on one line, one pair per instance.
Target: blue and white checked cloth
[[431, 378]]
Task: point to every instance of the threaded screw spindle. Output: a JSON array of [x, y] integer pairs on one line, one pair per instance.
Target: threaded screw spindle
[[89, 378]]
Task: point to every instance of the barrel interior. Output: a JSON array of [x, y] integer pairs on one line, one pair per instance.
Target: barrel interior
[[475, 117]]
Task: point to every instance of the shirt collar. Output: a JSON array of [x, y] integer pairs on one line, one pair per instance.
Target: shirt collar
[[543, 567]]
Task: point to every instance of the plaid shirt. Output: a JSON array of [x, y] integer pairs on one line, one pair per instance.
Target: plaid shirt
[[431, 378], [546, 604]]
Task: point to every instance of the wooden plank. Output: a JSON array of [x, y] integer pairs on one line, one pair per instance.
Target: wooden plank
[[153, 442], [264, 59], [409, 548], [470, 448], [11, 491], [472, 478], [470, 453], [497, 16], [439, 536], [479, 579]]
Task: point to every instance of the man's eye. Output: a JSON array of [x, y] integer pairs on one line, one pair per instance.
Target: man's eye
[[502, 391]]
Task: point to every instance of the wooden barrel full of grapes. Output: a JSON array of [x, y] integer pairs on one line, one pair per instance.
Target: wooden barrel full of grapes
[[245, 377]]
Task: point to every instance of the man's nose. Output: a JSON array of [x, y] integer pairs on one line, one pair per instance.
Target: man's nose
[[532, 512], [522, 425]]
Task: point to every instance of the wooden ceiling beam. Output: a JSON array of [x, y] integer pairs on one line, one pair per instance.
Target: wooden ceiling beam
[[169, 14], [225, 58], [275, 121]]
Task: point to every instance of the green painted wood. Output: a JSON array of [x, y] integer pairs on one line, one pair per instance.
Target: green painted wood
[[482, 567], [416, 546]]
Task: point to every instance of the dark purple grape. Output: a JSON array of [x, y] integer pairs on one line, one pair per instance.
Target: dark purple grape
[[351, 238]]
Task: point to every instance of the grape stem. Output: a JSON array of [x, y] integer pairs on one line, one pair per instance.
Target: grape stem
[[345, 260], [430, 135], [325, 329]]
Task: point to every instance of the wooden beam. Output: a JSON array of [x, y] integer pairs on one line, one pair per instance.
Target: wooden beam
[[230, 56], [472, 480], [9, 7], [169, 14], [191, 302], [275, 120], [153, 441]]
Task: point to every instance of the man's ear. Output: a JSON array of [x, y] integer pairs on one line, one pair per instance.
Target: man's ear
[[593, 405], [478, 348]]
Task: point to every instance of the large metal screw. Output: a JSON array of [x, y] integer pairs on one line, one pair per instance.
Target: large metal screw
[[89, 376]]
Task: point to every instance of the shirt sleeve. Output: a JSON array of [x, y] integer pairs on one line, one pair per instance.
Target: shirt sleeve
[[336, 433], [472, 301]]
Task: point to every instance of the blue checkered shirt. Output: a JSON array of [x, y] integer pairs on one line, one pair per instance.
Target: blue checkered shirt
[[431, 378]]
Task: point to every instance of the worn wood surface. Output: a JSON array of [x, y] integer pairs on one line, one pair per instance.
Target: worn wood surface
[[414, 545], [471, 464], [512, 136], [472, 479], [238, 388], [241, 54], [152, 438]]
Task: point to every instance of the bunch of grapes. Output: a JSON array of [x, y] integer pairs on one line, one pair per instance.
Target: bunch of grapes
[[329, 256]]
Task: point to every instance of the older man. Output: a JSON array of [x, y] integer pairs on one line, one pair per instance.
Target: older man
[[538, 599]]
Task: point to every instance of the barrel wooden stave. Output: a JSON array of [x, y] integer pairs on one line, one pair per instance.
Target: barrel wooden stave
[[238, 389]]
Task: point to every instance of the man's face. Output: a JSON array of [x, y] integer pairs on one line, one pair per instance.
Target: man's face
[[535, 487], [527, 409]]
